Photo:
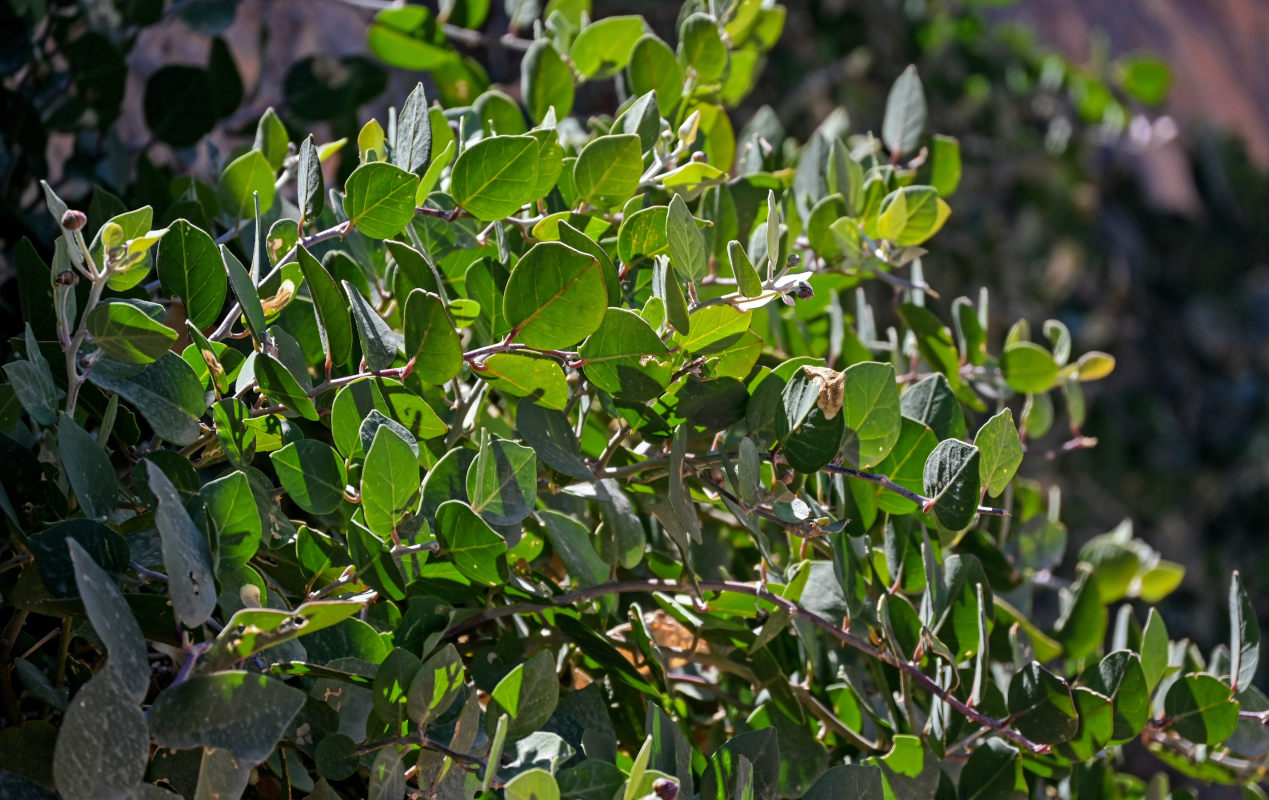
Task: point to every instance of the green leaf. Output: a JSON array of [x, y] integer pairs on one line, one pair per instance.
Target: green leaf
[[964, 599], [952, 481], [1042, 706], [1202, 709], [379, 199], [1028, 368], [502, 483], [1154, 649], [1143, 76], [499, 113], [643, 234], [1082, 624], [477, 551], [254, 630], [495, 176], [413, 146], [549, 434], [309, 182], [185, 554], [666, 287], [528, 695], [912, 214], [580, 241], [604, 47], [550, 162], [103, 746], [591, 779], [848, 782], [653, 68], [114, 623], [909, 770], [905, 114], [747, 279], [687, 245], [1244, 626], [435, 687], [532, 784], [626, 358], [189, 267], [312, 474], [945, 164], [815, 442], [681, 505], [1096, 725], [608, 169], [747, 766], [329, 308], [280, 386], [1119, 676], [371, 142], [905, 465], [430, 339], [538, 379], [232, 511], [379, 343], [271, 138], [555, 296], [932, 402], [88, 469], [389, 480], [1001, 451], [573, 543], [408, 37], [391, 682], [870, 409], [33, 383], [240, 712], [168, 394], [993, 772], [545, 82], [246, 176], [127, 333], [1159, 580], [701, 47], [220, 774], [245, 290]]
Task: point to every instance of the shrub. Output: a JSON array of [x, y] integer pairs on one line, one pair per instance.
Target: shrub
[[555, 459]]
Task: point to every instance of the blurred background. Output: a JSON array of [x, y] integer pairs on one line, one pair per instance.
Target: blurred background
[[1116, 157]]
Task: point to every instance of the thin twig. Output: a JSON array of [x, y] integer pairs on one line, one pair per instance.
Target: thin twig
[[926, 503], [337, 231], [425, 742], [843, 636], [1069, 446], [613, 445], [807, 529]]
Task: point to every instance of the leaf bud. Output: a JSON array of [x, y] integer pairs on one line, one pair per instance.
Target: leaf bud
[[687, 131], [74, 220], [66, 277], [111, 235]]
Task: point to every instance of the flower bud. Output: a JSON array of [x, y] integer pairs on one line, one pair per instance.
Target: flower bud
[[74, 220], [665, 789]]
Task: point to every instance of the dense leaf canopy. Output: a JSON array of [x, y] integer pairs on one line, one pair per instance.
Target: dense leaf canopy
[[564, 459]]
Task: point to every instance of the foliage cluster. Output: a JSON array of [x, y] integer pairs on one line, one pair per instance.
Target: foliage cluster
[[562, 459]]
